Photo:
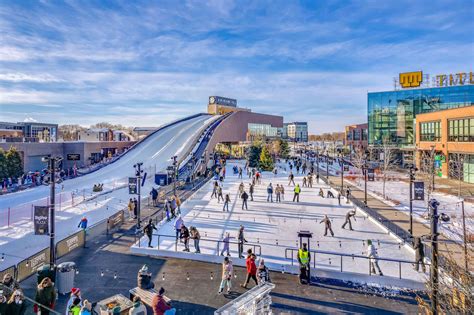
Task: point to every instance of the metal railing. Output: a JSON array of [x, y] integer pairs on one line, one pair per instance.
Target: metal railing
[[217, 242], [255, 301], [352, 256]]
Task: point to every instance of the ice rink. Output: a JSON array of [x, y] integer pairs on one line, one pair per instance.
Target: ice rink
[[273, 227]]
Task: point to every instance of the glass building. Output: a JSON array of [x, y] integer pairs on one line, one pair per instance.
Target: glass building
[[392, 114], [262, 130]]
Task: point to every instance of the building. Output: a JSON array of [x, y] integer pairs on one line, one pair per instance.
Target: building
[[296, 131], [261, 131], [450, 134], [392, 115], [28, 132], [219, 105], [103, 134], [142, 132], [356, 137]]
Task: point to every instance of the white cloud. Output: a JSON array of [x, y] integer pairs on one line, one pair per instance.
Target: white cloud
[[29, 119]]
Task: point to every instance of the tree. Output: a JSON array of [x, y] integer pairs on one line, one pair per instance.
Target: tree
[[284, 149], [265, 161], [388, 163], [14, 163], [359, 160], [456, 169], [254, 154], [3, 165]]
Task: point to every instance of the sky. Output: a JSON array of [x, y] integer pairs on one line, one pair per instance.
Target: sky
[[144, 63]]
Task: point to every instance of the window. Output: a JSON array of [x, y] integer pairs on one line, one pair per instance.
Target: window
[[461, 130], [430, 131]]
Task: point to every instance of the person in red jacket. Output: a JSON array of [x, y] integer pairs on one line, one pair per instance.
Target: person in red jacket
[[251, 270], [159, 304]]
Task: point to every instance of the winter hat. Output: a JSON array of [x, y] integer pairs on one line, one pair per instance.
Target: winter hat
[[87, 305], [369, 242], [144, 268], [75, 291]]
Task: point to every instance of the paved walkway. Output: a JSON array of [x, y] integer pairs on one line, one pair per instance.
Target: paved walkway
[[402, 220]]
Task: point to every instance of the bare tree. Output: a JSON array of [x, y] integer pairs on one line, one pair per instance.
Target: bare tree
[[388, 163], [456, 169], [359, 160], [427, 169]]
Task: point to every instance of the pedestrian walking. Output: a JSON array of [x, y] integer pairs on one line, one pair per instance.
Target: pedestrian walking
[[291, 179], [131, 209], [252, 185], [154, 196], [244, 197], [297, 192], [227, 272], [226, 242], [148, 230], [270, 193], [193, 231], [241, 239], [419, 255], [373, 257], [226, 203], [219, 194], [214, 189], [184, 237], [321, 193], [327, 225], [177, 226], [251, 270], [349, 215]]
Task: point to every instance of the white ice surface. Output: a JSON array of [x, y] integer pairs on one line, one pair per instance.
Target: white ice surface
[[268, 223], [155, 152]]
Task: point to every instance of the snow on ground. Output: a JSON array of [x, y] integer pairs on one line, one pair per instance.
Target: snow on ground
[[155, 152], [274, 227], [398, 191]]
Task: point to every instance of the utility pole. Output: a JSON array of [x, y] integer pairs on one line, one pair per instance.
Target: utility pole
[[327, 167], [52, 219], [412, 178], [317, 161], [466, 257], [138, 174], [342, 174], [433, 155], [434, 277], [175, 171]]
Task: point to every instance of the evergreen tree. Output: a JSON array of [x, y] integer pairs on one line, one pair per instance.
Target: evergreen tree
[[3, 165], [14, 163], [284, 149], [266, 161], [254, 155]]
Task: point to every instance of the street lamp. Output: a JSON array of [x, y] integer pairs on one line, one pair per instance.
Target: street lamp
[[341, 162], [413, 169], [327, 167], [175, 170], [365, 168], [52, 172], [138, 174], [317, 162], [433, 167]]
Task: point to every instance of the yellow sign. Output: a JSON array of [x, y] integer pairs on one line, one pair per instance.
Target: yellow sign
[[411, 79]]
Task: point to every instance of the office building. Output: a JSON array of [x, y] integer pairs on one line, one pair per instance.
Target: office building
[[356, 137], [28, 132], [296, 131]]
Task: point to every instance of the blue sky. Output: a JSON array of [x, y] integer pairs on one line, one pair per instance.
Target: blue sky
[[142, 63]]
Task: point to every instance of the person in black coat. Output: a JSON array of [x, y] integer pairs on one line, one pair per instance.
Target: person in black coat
[[148, 229], [419, 254]]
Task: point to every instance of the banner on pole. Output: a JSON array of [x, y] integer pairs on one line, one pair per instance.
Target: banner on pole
[[419, 188], [132, 185], [41, 220], [370, 175]]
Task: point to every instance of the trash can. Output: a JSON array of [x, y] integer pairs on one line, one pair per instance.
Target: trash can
[[45, 271], [66, 273]]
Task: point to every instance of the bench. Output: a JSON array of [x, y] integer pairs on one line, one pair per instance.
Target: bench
[[146, 295]]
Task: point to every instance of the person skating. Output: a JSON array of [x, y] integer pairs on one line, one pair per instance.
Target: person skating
[[291, 179], [310, 180], [251, 270], [305, 182], [304, 168], [214, 189], [297, 192], [251, 188], [177, 226], [226, 203], [330, 194], [138, 307], [373, 257], [349, 215], [327, 225], [304, 259], [339, 198], [219, 194], [244, 197], [196, 238], [348, 194], [173, 207], [159, 305], [321, 193], [317, 178], [226, 242], [419, 255], [83, 223], [148, 230], [227, 272], [240, 172], [241, 239], [241, 188], [184, 237], [278, 193], [282, 191], [45, 295], [16, 305], [144, 279], [270, 193], [263, 274], [154, 196]]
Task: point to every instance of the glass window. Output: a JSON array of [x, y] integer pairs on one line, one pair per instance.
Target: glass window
[[461, 130]]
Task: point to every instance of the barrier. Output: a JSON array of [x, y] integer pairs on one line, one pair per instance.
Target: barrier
[[70, 243], [255, 301], [29, 266], [115, 220]]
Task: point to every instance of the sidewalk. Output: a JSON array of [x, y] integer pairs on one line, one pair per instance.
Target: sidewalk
[[402, 220]]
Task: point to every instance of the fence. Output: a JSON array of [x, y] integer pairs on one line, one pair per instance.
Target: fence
[[255, 301], [352, 257]]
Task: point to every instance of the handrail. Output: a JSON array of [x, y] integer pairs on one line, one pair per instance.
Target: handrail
[[255, 246], [341, 255]]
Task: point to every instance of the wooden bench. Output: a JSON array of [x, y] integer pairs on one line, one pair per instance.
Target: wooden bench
[[146, 295]]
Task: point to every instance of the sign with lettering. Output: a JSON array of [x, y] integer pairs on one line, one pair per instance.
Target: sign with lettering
[[73, 157], [410, 79], [115, 220], [132, 185], [222, 101], [41, 220], [67, 245], [370, 175], [419, 190], [29, 266]]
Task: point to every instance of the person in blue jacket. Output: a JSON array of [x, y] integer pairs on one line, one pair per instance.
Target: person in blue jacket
[[83, 223]]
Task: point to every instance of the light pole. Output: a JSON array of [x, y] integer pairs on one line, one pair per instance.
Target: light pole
[[365, 168], [138, 174], [412, 178], [433, 168], [175, 170], [434, 278], [341, 162], [52, 220], [327, 167]]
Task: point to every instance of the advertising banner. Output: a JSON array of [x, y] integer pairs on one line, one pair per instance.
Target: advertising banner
[[73, 157], [346, 168], [370, 175], [29, 266], [115, 220], [67, 245], [40, 220], [419, 190], [132, 185]]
